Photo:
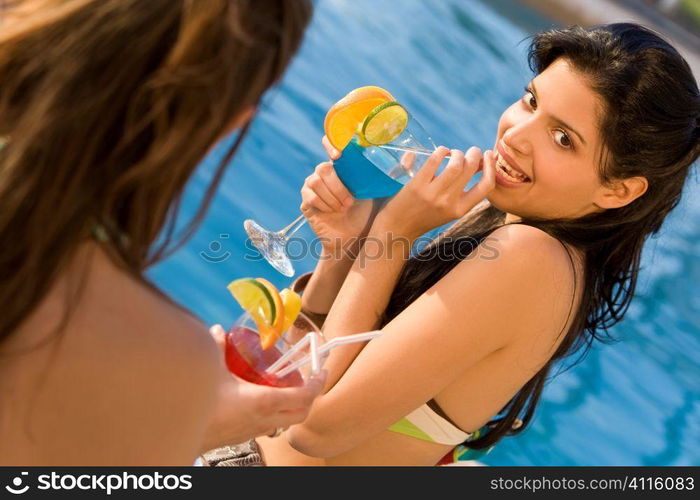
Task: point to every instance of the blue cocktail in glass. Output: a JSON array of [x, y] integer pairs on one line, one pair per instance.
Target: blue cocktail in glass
[[368, 171]]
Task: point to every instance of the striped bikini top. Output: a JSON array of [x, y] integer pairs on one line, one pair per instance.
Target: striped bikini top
[[424, 423]]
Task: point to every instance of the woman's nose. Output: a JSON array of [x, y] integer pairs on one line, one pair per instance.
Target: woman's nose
[[517, 138]]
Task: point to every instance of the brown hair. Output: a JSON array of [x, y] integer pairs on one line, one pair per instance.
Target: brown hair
[[107, 107]]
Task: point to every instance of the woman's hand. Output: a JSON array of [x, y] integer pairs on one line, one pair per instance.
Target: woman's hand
[[337, 219], [428, 201], [246, 410]]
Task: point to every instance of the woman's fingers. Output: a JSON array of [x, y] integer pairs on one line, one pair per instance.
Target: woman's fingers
[[473, 159], [453, 171], [297, 398], [325, 191], [488, 180], [334, 184], [219, 335], [311, 200], [288, 406], [316, 194], [407, 161], [317, 183], [470, 198], [430, 167], [460, 169], [332, 153]]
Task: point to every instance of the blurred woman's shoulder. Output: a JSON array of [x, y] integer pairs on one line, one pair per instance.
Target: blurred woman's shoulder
[[113, 308], [159, 363]]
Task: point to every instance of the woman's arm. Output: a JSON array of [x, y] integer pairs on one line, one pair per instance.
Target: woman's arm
[[484, 306], [425, 202], [457, 323], [324, 284], [340, 222]]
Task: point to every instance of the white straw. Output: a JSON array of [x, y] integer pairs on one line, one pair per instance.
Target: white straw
[[287, 355], [315, 366], [348, 339]]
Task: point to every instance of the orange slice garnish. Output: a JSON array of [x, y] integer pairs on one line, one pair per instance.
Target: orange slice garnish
[[343, 118], [269, 334]]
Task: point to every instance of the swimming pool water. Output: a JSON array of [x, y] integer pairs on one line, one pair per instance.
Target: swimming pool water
[[457, 65]]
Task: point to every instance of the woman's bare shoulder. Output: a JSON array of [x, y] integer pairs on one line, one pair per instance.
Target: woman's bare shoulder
[[521, 269], [119, 310], [133, 375], [532, 246], [542, 272]]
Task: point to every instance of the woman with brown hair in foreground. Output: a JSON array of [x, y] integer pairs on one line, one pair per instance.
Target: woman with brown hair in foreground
[[106, 109]]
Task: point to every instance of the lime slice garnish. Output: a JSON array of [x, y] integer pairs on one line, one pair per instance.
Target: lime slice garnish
[[385, 123], [254, 298], [277, 301], [360, 137]]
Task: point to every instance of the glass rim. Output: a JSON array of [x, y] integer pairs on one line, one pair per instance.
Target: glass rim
[[245, 316]]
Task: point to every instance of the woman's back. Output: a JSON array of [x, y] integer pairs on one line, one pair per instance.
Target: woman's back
[[131, 379]]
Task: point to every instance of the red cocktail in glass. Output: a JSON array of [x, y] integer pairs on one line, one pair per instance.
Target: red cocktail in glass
[[246, 358]]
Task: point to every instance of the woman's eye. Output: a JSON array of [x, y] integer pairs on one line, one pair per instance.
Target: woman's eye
[[562, 139], [530, 99]]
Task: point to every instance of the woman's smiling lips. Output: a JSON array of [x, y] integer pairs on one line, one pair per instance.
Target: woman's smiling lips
[[508, 172]]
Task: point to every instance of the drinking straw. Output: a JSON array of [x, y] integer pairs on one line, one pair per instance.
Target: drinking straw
[[409, 149], [288, 355], [313, 347], [348, 339]]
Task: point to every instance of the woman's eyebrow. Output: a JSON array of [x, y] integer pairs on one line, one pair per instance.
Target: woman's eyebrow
[[558, 120]]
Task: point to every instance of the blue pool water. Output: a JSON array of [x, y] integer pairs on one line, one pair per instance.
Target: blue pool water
[[456, 65]]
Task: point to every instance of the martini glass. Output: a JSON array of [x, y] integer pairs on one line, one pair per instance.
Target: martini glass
[[368, 171]]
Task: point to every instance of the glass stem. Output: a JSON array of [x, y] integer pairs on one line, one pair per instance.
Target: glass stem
[[289, 231]]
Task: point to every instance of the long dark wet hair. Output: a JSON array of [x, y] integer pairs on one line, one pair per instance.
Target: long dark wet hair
[[651, 128], [107, 108]]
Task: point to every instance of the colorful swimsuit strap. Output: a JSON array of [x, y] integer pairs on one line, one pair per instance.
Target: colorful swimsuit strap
[[424, 423]]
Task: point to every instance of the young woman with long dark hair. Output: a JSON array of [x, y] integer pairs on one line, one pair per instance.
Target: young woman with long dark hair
[[585, 167]]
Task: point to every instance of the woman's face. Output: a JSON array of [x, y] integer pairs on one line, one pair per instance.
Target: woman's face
[[552, 137]]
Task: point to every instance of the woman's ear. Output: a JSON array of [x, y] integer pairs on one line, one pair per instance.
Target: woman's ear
[[621, 192]]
